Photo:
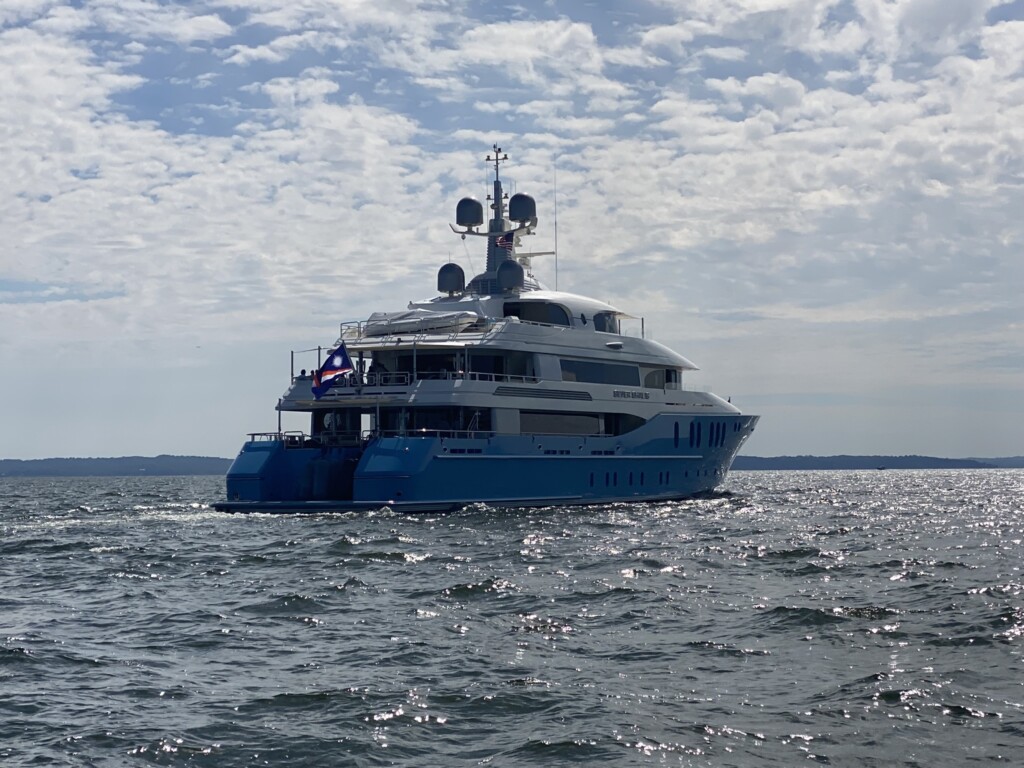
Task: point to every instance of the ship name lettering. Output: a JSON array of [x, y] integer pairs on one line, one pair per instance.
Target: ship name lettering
[[631, 395]]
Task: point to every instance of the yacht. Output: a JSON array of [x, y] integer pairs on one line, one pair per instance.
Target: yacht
[[496, 391]]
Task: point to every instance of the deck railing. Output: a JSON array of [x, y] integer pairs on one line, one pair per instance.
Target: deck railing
[[298, 439], [404, 379]]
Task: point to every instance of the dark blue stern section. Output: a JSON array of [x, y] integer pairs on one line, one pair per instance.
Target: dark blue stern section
[[668, 458]]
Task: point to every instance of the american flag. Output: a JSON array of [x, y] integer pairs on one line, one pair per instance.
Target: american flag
[[506, 241]]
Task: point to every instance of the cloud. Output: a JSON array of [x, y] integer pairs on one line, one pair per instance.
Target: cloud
[[148, 19], [764, 179], [14, 11], [280, 48]]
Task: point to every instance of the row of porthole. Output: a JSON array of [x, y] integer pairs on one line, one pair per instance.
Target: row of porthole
[[611, 479]]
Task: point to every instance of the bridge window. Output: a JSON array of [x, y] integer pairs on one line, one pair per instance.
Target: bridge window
[[655, 379], [537, 312], [606, 322]]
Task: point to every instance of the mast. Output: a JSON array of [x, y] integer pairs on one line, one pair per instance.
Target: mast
[[503, 274], [501, 248]]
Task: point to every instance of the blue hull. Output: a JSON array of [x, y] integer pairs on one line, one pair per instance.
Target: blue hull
[[667, 458]]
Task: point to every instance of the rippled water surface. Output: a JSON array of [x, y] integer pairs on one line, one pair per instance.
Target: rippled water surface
[[844, 618]]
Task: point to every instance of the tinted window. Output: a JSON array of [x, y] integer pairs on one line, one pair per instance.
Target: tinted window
[[594, 372], [537, 312], [606, 322], [558, 423], [655, 379]]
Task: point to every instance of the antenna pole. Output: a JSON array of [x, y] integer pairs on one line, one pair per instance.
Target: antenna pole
[[556, 223]]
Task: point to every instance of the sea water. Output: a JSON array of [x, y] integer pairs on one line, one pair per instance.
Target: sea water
[[842, 618]]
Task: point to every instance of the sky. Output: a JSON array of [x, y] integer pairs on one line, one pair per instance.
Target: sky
[[819, 202]]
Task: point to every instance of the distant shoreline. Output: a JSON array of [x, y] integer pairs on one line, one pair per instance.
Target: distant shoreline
[[130, 466], [121, 466], [874, 462]]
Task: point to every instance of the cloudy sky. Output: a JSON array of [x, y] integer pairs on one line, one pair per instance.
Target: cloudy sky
[[820, 202]]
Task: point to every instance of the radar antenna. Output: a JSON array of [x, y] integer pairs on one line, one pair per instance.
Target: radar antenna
[[511, 218]]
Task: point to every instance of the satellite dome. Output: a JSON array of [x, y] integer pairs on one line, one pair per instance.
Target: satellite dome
[[469, 212], [510, 275], [522, 207], [451, 279]]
